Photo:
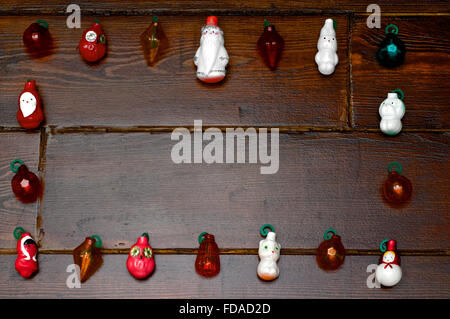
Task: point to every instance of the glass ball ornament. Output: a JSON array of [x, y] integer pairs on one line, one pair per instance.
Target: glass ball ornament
[[397, 189], [25, 184], [330, 253]]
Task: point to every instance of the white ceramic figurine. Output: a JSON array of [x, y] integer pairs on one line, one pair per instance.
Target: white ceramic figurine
[[326, 57], [392, 111], [269, 253], [388, 272]]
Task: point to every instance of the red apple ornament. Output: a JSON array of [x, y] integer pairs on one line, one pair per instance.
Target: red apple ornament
[[92, 46], [27, 251], [140, 262], [397, 189], [25, 184], [37, 39], [270, 46], [207, 263], [330, 253], [30, 115]]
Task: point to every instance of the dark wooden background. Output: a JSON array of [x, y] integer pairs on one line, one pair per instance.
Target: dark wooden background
[[104, 151]]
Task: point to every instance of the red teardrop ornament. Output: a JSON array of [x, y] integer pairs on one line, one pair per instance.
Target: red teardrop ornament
[[92, 45], [207, 263], [37, 39], [270, 46], [29, 114], [330, 253], [25, 184], [140, 262]]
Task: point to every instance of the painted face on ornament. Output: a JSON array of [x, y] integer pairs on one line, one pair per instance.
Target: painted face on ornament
[[392, 107], [269, 249], [27, 103], [327, 42], [389, 257], [212, 34], [140, 261]]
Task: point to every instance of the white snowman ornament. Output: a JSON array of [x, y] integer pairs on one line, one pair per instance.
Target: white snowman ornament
[[392, 111], [388, 272], [327, 58], [269, 253], [211, 57]]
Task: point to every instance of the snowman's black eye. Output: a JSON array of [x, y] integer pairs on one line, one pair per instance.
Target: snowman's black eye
[[324, 37]]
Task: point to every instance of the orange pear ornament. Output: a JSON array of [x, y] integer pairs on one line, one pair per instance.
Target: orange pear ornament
[[88, 257], [153, 41]]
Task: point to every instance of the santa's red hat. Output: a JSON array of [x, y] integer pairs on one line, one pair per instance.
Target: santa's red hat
[[212, 20]]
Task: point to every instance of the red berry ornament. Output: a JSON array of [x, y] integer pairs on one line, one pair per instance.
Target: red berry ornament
[[330, 253], [25, 184], [88, 257], [27, 251], [37, 39], [92, 46], [397, 189], [270, 46], [207, 263], [140, 262], [30, 115]]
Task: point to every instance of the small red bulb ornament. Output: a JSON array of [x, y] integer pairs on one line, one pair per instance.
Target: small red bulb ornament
[[153, 41], [30, 115], [207, 263], [27, 251], [397, 189], [92, 46], [25, 184], [37, 39], [388, 272], [140, 262], [330, 253], [270, 46], [88, 257]]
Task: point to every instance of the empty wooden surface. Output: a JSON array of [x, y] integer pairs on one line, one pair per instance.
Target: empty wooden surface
[[104, 151]]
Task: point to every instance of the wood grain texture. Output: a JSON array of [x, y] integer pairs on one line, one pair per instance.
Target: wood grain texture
[[130, 7], [14, 213], [424, 77], [123, 91], [175, 277], [120, 185]]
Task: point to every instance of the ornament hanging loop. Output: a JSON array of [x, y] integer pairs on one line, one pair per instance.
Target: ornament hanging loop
[[146, 235], [394, 31], [264, 231], [397, 167], [200, 237], [400, 93], [328, 233], [42, 23], [18, 232], [383, 245], [15, 168], [98, 241]]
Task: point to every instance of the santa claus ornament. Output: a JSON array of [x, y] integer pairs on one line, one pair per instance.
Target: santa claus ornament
[[25, 184], [270, 46], [211, 57], [92, 46], [37, 39], [88, 257], [397, 189], [326, 57], [391, 112], [207, 263], [388, 272], [269, 254], [153, 41], [391, 51], [140, 262], [330, 253], [30, 115], [27, 251]]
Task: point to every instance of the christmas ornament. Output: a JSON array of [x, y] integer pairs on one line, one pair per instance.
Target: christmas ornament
[[388, 272], [30, 113], [88, 257], [140, 262], [392, 111], [269, 253], [270, 46], [330, 253], [37, 39], [326, 58], [391, 51], [207, 263], [25, 184], [211, 57], [153, 40], [397, 189], [27, 251], [92, 46]]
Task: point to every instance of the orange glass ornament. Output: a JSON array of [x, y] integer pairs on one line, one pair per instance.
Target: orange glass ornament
[[397, 189], [330, 253], [207, 263], [88, 257], [153, 40]]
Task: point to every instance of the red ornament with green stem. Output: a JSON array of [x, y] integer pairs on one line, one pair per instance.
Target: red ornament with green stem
[[207, 263], [330, 253], [37, 39], [25, 184], [92, 46], [27, 251], [270, 46]]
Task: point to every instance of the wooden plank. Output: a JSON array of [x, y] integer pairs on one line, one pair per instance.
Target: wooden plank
[[423, 277], [120, 185], [131, 7], [123, 91], [424, 77], [13, 212]]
